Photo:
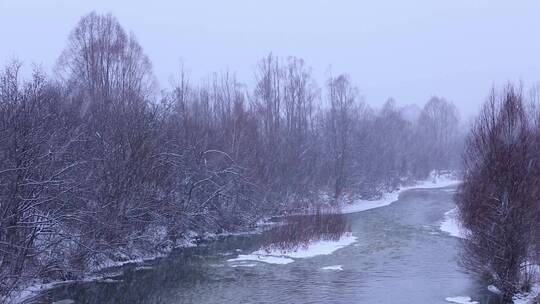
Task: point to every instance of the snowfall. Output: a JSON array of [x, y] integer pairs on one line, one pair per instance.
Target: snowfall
[[322, 247], [277, 256], [435, 181], [449, 224]]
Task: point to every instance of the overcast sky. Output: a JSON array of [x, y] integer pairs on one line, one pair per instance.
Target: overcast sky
[[408, 50]]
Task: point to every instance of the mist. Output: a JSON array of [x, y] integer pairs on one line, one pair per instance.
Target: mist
[[408, 51], [219, 152]]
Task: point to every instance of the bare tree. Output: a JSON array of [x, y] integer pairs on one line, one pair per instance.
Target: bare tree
[[499, 196], [104, 63], [437, 128], [98, 167], [389, 152], [284, 102], [35, 183], [339, 125]]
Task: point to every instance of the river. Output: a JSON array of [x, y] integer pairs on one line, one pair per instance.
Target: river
[[400, 256]]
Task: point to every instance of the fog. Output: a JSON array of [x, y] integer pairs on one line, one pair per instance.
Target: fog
[[166, 149], [405, 50]]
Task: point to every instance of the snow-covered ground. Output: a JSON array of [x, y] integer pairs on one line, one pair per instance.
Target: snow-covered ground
[[34, 288], [278, 256], [461, 300], [328, 247], [494, 289], [31, 291], [434, 181], [527, 298], [451, 225], [273, 257], [259, 257], [244, 265], [334, 267]]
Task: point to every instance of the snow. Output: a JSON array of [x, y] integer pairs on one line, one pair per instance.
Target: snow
[[327, 247], [36, 287], [494, 289], [461, 300], [435, 181], [244, 265], [321, 247], [363, 205], [451, 225], [31, 291], [526, 298], [334, 267], [33, 288], [281, 260], [278, 256], [533, 268], [273, 257]]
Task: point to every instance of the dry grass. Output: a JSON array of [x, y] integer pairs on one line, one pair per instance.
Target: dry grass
[[299, 230]]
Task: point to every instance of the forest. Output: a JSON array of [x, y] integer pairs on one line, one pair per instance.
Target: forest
[[99, 163]]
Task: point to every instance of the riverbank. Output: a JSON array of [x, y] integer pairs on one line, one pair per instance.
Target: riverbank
[[324, 247], [100, 272], [434, 181], [398, 245], [451, 226], [107, 266]]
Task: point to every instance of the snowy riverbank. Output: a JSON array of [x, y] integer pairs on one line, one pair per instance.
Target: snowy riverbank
[[328, 247], [101, 272], [35, 287], [278, 256], [452, 226], [434, 181]]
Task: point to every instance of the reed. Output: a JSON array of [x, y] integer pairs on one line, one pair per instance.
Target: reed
[[298, 231]]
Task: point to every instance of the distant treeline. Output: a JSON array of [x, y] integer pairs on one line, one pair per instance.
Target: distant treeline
[[96, 161]]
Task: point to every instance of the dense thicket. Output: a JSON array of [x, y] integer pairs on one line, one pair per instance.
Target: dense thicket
[[96, 165], [499, 199]]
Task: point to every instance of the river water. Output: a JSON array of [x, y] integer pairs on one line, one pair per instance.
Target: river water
[[400, 256]]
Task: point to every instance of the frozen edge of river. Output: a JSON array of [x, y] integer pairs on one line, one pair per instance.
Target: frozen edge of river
[[333, 267], [35, 288], [461, 300], [525, 298], [451, 224], [277, 256], [521, 298], [328, 247], [388, 198]]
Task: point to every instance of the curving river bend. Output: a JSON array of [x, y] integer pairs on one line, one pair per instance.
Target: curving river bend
[[400, 256]]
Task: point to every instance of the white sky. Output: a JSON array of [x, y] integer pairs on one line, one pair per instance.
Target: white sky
[[409, 50]]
